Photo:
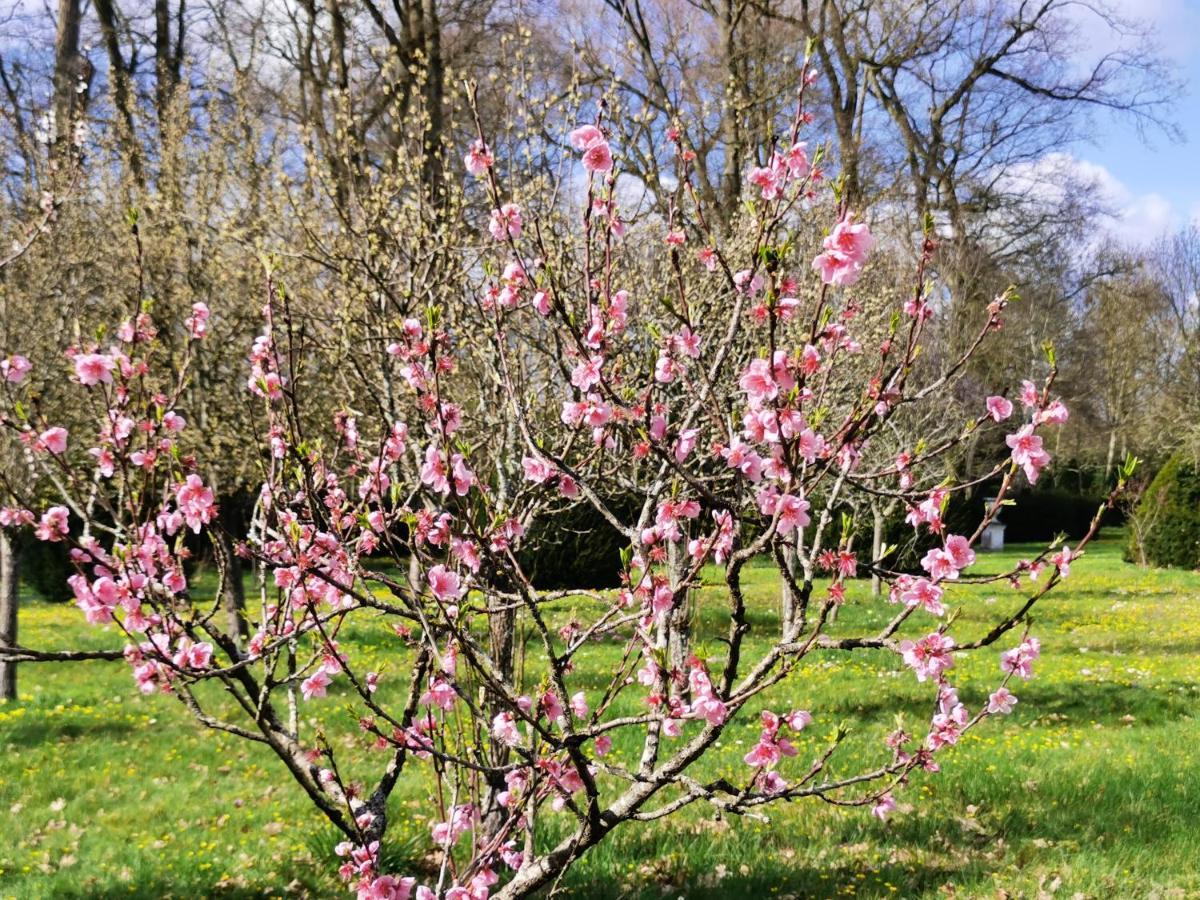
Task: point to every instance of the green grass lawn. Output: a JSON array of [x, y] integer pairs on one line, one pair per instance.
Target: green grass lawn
[[1091, 788]]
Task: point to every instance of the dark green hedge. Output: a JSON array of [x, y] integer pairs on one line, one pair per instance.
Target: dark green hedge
[[1041, 515], [1172, 505], [575, 548], [45, 568]]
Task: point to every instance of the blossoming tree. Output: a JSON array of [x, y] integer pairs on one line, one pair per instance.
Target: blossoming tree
[[743, 423]]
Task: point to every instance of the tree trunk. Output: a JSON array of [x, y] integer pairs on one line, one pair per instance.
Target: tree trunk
[[8, 614], [233, 591], [787, 613], [876, 546], [168, 58], [435, 77], [731, 111], [679, 624], [119, 81], [71, 70]]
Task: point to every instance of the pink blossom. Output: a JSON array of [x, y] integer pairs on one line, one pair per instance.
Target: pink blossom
[[539, 471], [552, 706], [748, 282], [960, 552], [466, 552], [1019, 660], [758, 382], [94, 368], [478, 159], [770, 747], [928, 512], [923, 592], [504, 728], [1027, 452], [763, 753], [586, 375], [999, 408], [15, 368], [685, 444], [773, 783], [795, 158], [462, 818], [53, 525], [793, 513], [195, 502], [948, 723], [845, 252], [810, 445], [798, 720], [598, 157], [197, 322], [742, 457], [315, 684], [445, 583], [505, 222], [1062, 561], [929, 656], [1055, 413], [766, 181], [579, 705], [53, 440], [385, 887], [663, 598], [939, 565], [883, 807], [441, 694], [439, 476], [1001, 701], [584, 136], [199, 656]]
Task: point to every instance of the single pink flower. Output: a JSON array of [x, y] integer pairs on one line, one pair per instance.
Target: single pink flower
[[445, 583], [15, 368], [478, 159], [53, 440], [999, 408], [94, 368], [315, 684], [598, 157], [1001, 702], [505, 222]]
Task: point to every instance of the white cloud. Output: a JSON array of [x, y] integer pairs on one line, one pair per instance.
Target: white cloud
[[1175, 25], [1123, 213], [1127, 213]]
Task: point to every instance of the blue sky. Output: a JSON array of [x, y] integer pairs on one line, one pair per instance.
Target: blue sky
[[1155, 186]]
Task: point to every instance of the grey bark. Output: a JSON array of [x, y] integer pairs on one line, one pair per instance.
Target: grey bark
[[8, 614], [876, 545], [71, 70]]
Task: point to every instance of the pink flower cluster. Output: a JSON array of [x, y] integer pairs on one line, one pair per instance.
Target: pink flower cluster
[[772, 746], [845, 252], [597, 157], [786, 166]]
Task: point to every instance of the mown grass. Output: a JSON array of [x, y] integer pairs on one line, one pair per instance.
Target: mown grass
[[1091, 788]]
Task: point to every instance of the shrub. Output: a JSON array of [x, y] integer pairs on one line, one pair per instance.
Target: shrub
[[574, 548], [1170, 510], [1042, 515], [45, 568]]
